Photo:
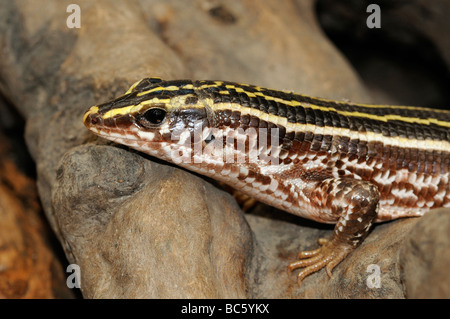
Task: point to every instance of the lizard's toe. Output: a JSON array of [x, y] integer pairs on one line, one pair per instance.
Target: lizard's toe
[[329, 254]]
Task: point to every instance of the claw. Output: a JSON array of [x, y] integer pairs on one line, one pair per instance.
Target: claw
[[329, 254]]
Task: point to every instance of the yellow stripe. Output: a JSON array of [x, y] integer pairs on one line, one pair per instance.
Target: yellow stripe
[[159, 88], [377, 106], [188, 87], [292, 103], [383, 118], [389, 117], [205, 86], [330, 130], [230, 86], [134, 108], [133, 86], [169, 104]]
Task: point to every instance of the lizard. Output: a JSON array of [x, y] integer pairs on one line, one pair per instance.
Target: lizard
[[329, 161]]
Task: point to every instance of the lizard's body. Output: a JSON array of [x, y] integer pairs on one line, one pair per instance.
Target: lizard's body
[[329, 161]]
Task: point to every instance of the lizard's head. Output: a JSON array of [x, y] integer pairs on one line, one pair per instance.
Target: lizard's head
[[200, 124], [151, 116]]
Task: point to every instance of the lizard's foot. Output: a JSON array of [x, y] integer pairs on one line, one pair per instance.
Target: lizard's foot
[[358, 203], [328, 255]]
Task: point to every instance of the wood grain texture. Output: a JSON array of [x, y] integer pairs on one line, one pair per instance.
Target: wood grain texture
[[51, 74]]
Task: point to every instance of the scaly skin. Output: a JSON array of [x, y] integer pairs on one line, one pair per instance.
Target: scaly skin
[[329, 161]]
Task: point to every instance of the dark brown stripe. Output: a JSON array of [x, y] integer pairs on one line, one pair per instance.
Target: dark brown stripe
[[305, 115]]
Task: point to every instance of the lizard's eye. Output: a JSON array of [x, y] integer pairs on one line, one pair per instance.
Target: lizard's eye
[[152, 117]]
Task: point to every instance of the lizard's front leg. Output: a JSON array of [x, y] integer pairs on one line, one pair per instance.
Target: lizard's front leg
[[354, 204]]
